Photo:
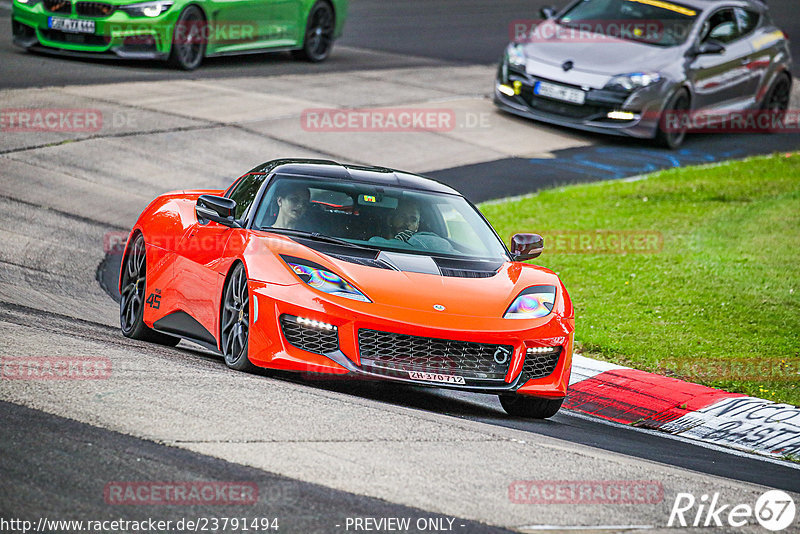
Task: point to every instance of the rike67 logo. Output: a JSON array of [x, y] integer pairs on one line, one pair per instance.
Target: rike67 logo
[[774, 510]]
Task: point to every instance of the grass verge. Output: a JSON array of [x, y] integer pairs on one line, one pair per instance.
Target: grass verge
[[713, 298]]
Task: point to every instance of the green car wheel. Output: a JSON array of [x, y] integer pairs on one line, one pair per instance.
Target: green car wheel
[[188, 45], [318, 40]]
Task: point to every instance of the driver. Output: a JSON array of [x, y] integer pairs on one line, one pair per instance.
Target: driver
[[403, 225], [404, 222]]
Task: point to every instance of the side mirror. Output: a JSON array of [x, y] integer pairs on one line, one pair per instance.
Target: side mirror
[[710, 47], [547, 12], [217, 209], [526, 246]]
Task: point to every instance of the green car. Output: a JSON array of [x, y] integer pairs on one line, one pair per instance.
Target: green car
[[182, 32]]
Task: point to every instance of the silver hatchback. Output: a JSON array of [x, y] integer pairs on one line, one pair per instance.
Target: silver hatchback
[[624, 66]]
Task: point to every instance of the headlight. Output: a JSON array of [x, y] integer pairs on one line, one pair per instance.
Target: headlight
[[532, 303], [515, 56], [146, 9], [634, 80], [324, 280], [29, 3]]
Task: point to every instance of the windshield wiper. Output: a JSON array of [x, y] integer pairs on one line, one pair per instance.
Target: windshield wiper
[[316, 236]]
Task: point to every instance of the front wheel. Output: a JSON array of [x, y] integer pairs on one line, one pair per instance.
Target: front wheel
[[236, 320], [318, 39], [676, 114], [530, 407], [188, 39]]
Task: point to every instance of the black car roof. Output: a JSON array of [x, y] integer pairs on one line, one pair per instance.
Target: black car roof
[[320, 168]]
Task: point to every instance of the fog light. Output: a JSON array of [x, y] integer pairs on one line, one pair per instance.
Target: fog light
[[621, 115], [316, 324], [505, 89]]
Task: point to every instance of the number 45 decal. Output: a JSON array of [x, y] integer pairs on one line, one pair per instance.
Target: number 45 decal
[[154, 299]]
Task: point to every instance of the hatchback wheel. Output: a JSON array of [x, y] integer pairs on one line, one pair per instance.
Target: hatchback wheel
[[777, 100], [673, 136]]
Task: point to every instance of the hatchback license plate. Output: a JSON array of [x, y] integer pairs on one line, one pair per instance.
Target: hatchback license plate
[[559, 92]]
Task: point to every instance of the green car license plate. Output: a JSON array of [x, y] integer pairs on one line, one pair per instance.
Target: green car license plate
[[70, 25]]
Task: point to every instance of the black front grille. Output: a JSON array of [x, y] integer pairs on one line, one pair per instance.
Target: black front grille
[[309, 338], [94, 9], [597, 105], [539, 365], [395, 354], [58, 6], [76, 38], [565, 109]]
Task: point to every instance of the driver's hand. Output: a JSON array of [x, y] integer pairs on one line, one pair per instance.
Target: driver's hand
[[404, 236]]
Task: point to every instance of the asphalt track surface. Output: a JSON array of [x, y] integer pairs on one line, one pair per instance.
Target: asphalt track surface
[[82, 459]]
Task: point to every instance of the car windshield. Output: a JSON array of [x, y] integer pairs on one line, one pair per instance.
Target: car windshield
[[653, 22], [378, 217]]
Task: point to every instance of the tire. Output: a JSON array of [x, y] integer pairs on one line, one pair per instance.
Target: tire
[[777, 99], [188, 41], [132, 297], [235, 320], [530, 407], [318, 39], [679, 101]]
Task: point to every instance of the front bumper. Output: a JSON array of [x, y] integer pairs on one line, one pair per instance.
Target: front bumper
[[117, 35], [645, 104], [270, 348]]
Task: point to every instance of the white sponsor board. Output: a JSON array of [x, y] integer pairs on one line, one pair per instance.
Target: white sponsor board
[[745, 423]]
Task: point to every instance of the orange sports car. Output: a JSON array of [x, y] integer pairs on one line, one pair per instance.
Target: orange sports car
[[378, 274]]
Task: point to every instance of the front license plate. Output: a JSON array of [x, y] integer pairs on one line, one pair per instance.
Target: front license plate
[[559, 92], [435, 377], [70, 25]]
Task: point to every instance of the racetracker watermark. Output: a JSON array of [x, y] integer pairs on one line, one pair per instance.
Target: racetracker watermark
[[378, 120], [142, 525], [747, 121], [55, 368], [201, 241], [114, 243], [195, 32], [585, 492], [189, 493], [595, 31], [603, 241], [50, 120]]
